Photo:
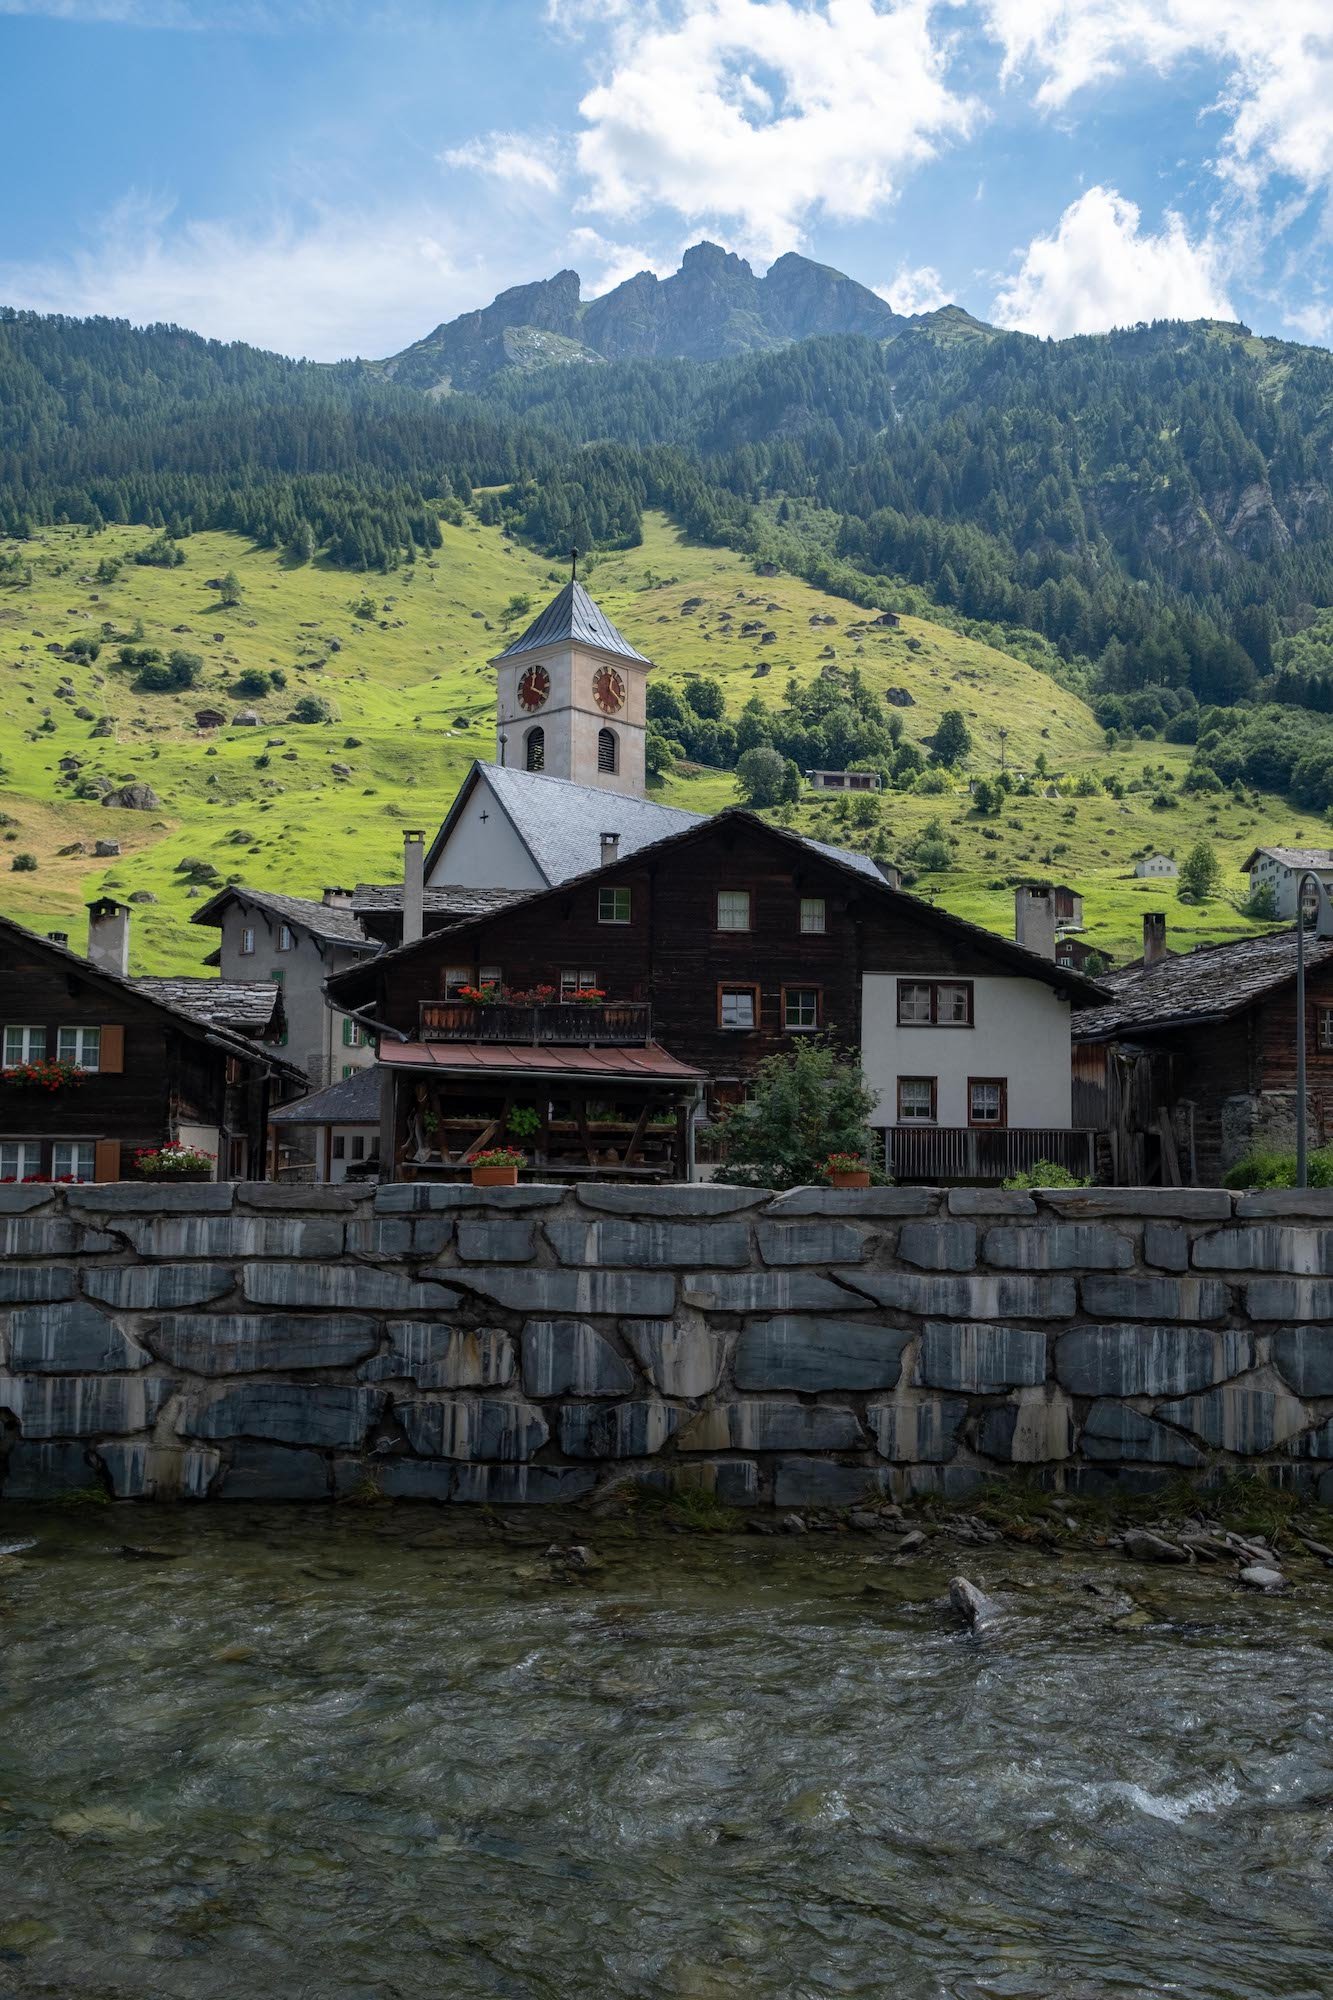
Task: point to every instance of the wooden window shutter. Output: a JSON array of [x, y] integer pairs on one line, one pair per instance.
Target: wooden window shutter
[[106, 1158], [111, 1061]]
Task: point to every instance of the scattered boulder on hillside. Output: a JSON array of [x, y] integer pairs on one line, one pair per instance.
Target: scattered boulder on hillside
[[245, 718], [899, 698], [103, 726], [75, 847], [134, 798], [142, 896], [690, 604], [341, 770], [84, 715], [769, 639], [106, 848]]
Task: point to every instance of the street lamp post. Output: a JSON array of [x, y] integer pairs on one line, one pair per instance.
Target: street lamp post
[[1323, 928]]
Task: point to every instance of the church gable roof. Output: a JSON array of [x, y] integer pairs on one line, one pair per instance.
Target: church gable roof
[[573, 616]]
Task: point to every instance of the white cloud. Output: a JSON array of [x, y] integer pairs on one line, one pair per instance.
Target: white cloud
[[604, 264], [1100, 269], [914, 291], [517, 157], [759, 113], [1276, 57], [324, 285]]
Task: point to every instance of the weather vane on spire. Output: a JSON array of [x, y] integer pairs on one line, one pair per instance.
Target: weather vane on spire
[[573, 565]]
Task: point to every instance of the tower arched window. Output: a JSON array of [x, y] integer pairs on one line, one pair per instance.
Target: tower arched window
[[608, 751], [535, 747]]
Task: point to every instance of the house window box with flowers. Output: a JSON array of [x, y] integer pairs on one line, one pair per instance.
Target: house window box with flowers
[[48, 1075], [496, 1166], [174, 1162]]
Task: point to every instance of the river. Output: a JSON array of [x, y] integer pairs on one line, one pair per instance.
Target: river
[[397, 1754]]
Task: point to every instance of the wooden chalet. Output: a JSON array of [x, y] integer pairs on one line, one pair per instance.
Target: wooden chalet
[[1192, 1063], [608, 1006], [158, 1060]]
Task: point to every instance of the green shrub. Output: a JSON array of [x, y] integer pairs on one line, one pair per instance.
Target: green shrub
[[1267, 1169], [1046, 1174], [801, 1108]]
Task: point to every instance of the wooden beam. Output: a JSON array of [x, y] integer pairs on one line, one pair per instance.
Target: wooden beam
[[636, 1137], [1170, 1157]]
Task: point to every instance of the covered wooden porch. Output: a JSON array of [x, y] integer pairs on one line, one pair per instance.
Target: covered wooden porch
[[585, 1112]]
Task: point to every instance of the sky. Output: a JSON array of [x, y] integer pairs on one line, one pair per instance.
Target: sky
[[335, 177]]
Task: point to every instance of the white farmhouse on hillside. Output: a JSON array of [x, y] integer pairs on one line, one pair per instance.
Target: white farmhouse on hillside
[[1156, 867], [1281, 868]]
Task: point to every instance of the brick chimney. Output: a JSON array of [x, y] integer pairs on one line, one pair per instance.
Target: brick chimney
[[1154, 937], [414, 885], [109, 935], [1034, 919]]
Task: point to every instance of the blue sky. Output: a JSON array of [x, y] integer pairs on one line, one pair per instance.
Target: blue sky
[[330, 178]]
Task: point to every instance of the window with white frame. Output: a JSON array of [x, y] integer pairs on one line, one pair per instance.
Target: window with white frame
[[247, 941], [577, 980], [940, 1003], [733, 909], [916, 1100], [800, 1009], [613, 906], [456, 977], [80, 1046], [351, 1033], [285, 938], [1324, 1028], [73, 1159], [19, 1158], [24, 1045], [490, 975], [986, 1100], [813, 915], [738, 1006]]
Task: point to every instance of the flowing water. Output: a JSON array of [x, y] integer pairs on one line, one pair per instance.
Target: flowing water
[[307, 1755]]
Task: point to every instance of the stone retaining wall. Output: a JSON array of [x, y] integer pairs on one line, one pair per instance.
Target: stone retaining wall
[[530, 1344]]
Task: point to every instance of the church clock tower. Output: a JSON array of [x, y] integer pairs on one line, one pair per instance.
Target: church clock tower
[[571, 697]]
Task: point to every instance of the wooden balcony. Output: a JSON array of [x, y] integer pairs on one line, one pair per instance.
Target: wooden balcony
[[932, 1154], [608, 1023]]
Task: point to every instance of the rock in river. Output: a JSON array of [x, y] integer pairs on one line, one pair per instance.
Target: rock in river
[[973, 1606], [1141, 1546], [1259, 1577]]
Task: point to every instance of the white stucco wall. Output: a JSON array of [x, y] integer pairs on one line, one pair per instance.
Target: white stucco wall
[[486, 855], [1020, 1032]]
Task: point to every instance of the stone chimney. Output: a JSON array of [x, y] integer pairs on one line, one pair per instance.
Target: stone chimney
[[892, 874], [337, 899], [58, 937], [414, 885], [610, 848], [1154, 937], [1034, 919], [109, 935]]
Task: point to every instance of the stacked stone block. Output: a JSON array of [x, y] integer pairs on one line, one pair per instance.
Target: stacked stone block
[[539, 1343]]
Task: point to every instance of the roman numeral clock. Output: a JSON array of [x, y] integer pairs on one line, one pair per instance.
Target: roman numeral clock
[[570, 697], [533, 689]]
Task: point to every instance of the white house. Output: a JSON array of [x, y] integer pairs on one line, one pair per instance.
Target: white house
[[1281, 868], [1155, 867]]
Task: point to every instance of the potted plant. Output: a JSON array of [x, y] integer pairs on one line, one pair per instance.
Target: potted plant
[[846, 1170], [524, 1121], [496, 1166], [174, 1162]]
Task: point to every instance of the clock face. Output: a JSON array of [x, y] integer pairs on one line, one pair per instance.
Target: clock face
[[534, 688], [608, 690]]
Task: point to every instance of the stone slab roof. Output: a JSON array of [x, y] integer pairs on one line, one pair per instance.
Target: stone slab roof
[[247, 1006], [1209, 984], [572, 615], [354, 1100], [333, 925], [451, 897]]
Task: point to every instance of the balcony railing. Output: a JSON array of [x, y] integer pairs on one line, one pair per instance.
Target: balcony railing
[[617, 1023], [935, 1153]]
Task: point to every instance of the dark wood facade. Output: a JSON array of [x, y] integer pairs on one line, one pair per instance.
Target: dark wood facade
[[1186, 1102], [721, 999], [158, 1076]]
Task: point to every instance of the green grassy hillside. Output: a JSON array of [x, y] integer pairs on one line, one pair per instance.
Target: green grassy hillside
[[403, 660]]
